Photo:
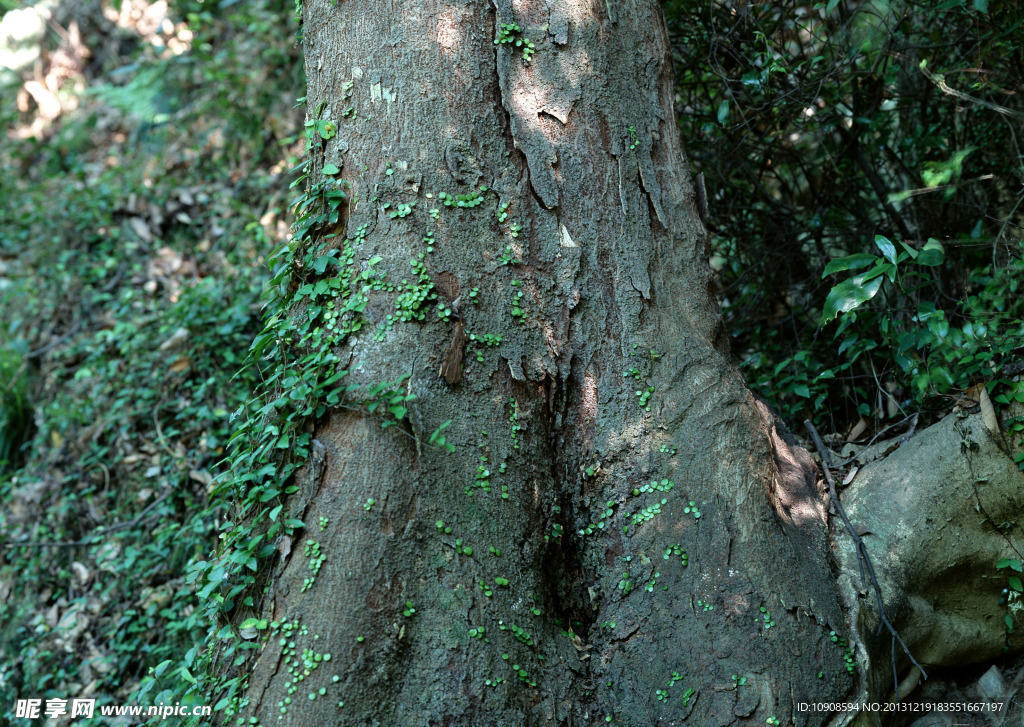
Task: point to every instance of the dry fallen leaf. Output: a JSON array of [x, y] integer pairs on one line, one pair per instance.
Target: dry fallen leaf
[[451, 366], [81, 572], [284, 547], [988, 413], [578, 644], [858, 429], [52, 615], [201, 476], [179, 364], [177, 340], [140, 228]]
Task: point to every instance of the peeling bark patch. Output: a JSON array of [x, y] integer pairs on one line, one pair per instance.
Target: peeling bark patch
[[652, 200], [558, 21], [517, 92], [554, 343], [448, 285], [561, 113], [622, 187], [515, 369], [380, 93], [543, 185], [380, 595], [451, 365], [642, 284]]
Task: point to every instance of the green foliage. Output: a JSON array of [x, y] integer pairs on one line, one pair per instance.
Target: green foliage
[[853, 292], [467, 201], [317, 297], [508, 256], [927, 349], [439, 440], [126, 316], [15, 405], [1012, 595], [820, 130], [842, 643], [510, 34], [136, 426]]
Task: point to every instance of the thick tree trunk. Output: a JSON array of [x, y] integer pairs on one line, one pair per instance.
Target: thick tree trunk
[[660, 534]]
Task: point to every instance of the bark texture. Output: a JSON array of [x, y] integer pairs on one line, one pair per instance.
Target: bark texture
[[612, 373]]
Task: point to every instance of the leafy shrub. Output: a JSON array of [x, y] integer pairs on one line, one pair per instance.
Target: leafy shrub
[[818, 128]]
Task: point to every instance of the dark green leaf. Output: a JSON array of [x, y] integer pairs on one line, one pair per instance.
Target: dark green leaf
[[853, 262], [848, 295], [932, 253], [847, 343], [880, 269], [887, 248]]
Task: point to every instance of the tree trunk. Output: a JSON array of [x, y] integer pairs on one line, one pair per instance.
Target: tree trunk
[[663, 544]]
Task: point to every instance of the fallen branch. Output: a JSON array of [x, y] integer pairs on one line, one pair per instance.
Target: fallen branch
[[862, 558]]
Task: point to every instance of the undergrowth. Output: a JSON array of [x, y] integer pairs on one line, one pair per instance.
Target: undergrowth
[[131, 270]]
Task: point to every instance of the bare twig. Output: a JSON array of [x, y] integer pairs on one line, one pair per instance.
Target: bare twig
[[37, 353], [939, 80], [862, 558], [910, 430], [159, 430], [106, 473]]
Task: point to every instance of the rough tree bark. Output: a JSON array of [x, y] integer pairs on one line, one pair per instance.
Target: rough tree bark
[[612, 374]]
